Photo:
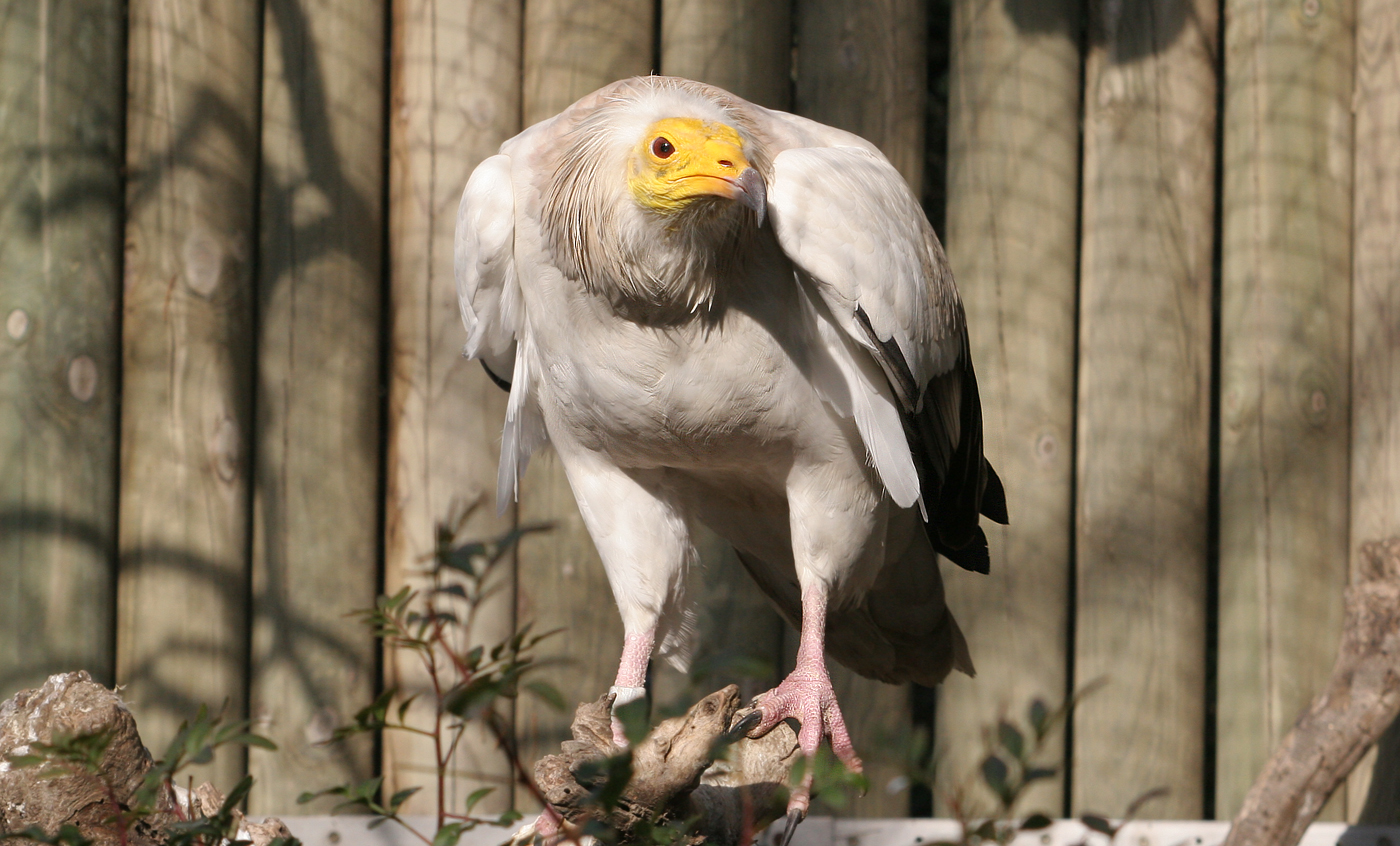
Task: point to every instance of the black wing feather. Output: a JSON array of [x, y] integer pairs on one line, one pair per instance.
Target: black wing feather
[[958, 483]]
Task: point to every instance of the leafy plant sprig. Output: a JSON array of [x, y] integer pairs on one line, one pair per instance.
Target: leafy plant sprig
[[467, 684]]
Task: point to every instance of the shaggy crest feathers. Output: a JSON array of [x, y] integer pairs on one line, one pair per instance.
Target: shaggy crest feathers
[[649, 265]]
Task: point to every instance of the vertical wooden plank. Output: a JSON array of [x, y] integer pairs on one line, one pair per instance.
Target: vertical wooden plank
[[1013, 196], [316, 481], [743, 46], [1285, 327], [192, 142], [1375, 340], [1144, 405], [862, 66], [455, 97], [572, 47], [61, 96]]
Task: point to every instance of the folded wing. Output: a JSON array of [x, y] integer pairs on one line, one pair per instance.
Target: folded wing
[[488, 293], [856, 232]]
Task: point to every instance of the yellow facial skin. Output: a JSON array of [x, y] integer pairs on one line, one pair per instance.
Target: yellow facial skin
[[681, 159]]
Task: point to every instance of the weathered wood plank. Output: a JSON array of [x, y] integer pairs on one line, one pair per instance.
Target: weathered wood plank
[[572, 47], [1375, 341], [60, 246], [455, 97], [863, 67], [743, 46], [1013, 195], [1285, 324], [192, 149], [316, 481], [1144, 406]]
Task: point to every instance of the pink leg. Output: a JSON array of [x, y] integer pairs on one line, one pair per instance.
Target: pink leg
[[548, 824], [631, 676], [807, 695]]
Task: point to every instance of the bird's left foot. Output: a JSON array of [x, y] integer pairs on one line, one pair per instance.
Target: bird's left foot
[[807, 696]]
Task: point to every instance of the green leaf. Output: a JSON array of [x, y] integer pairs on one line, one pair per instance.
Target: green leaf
[[606, 779], [1099, 824], [470, 700], [548, 693], [994, 773], [1040, 718], [633, 717], [1035, 822], [448, 835], [67, 835], [987, 830], [401, 797], [509, 817], [405, 705], [236, 796], [477, 795], [1011, 739]]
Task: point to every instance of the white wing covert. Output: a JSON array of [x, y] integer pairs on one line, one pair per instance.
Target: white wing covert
[[493, 311], [845, 217]]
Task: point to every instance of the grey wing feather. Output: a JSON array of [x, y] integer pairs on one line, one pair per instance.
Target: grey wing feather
[[844, 215]]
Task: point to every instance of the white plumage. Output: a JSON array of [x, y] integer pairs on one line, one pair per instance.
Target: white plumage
[[725, 314]]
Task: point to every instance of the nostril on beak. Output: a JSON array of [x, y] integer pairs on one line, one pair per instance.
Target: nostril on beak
[[726, 163]]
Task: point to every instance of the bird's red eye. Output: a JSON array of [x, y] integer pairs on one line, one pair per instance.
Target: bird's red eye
[[661, 148]]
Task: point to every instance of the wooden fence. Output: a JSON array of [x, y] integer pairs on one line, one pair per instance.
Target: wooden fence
[[233, 405]]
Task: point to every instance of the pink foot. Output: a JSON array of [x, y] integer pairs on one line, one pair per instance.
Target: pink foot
[[548, 825], [807, 695]]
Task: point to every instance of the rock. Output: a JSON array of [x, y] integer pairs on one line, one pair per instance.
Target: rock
[[72, 705], [69, 704]]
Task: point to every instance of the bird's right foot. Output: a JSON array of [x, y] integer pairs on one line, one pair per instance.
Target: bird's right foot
[[807, 696]]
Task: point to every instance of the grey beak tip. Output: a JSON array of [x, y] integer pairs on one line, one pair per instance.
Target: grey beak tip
[[755, 194]]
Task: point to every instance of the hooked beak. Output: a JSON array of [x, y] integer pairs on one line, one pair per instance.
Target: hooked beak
[[752, 193]]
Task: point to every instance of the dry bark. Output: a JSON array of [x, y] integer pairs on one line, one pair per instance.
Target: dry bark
[[675, 775], [1361, 699]]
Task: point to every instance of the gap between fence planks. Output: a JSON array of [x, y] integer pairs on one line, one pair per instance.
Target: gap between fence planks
[[61, 91], [455, 96], [1144, 407], [1373, 797], [316, 479], [1285, 291], [188, 360], [1013, 193], [863, 67]]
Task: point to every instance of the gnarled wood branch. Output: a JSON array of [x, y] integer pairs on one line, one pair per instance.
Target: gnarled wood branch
[[675, 775], [1361, 699]]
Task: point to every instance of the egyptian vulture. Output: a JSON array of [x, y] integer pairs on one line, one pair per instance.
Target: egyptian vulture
[[725, 314]]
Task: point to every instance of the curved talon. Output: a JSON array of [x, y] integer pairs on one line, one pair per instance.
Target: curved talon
[[743, 726], [793, 818]]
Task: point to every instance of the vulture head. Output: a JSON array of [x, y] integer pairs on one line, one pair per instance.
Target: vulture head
[[654, 195]]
